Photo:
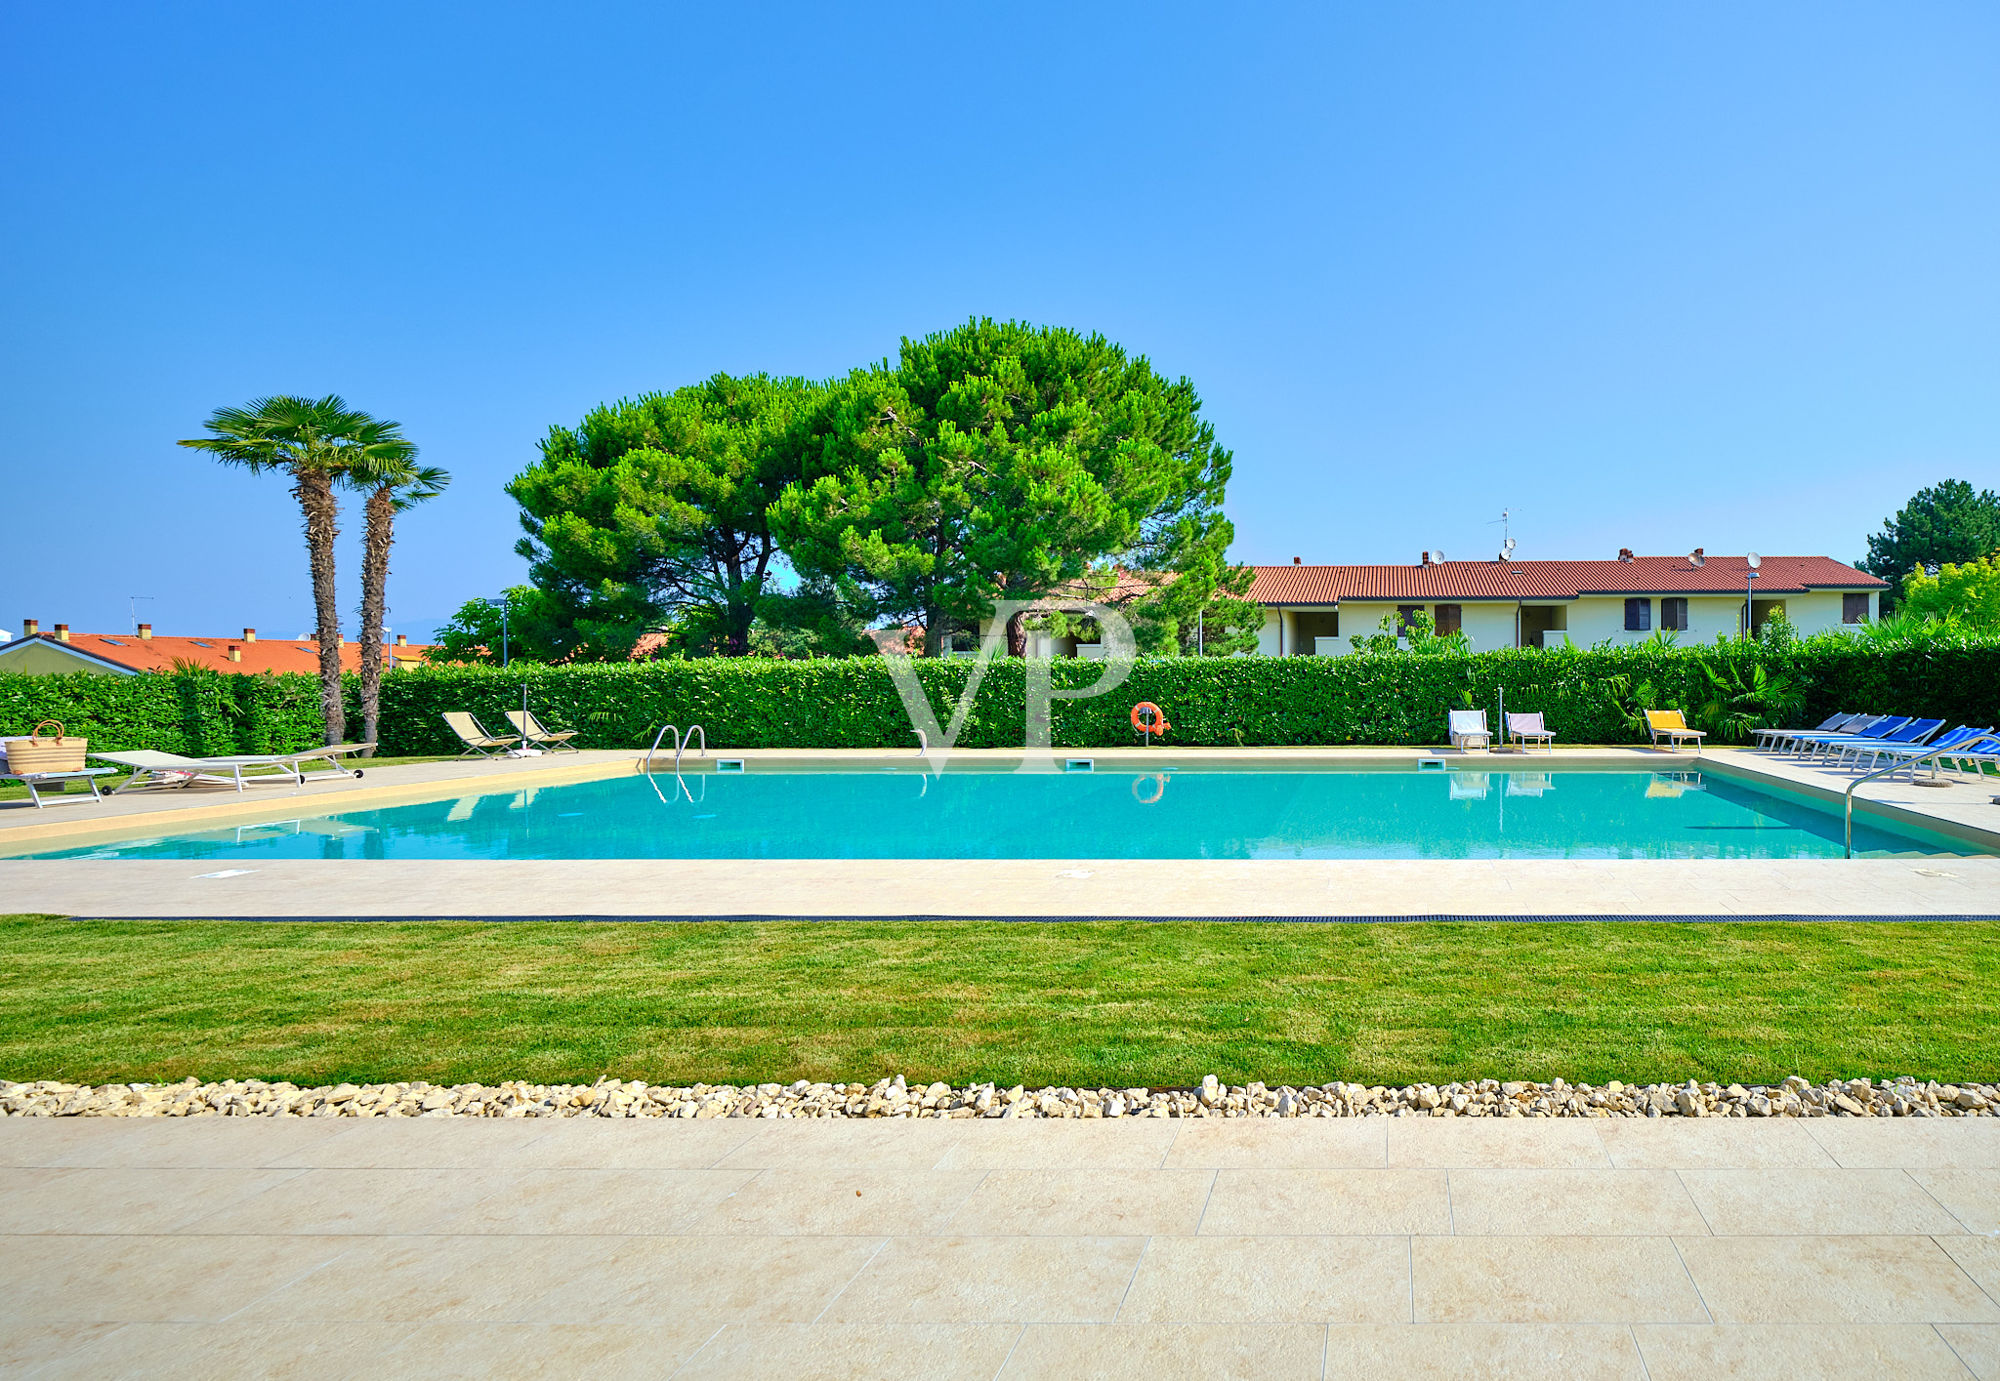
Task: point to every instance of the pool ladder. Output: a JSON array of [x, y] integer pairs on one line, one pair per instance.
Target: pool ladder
[[680, 745]]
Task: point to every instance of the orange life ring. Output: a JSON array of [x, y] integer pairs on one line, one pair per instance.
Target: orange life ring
[[1156, 725]]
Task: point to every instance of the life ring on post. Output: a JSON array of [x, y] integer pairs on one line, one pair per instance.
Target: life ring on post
[[1156, 725]]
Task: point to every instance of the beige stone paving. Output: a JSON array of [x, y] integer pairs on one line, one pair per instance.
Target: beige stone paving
[[504, 888], [1156, 1248]]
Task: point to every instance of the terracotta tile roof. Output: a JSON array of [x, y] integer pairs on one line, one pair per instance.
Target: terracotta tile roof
[[1552, 580], [262, 654]]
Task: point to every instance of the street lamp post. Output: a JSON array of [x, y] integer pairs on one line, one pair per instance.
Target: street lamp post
[[503, 604], [1749, 595]]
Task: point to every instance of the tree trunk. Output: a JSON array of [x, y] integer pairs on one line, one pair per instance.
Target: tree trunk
[[1017, 634], [314, 491], [934, 633], [374, 604]]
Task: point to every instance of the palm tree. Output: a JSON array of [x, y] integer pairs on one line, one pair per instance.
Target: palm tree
[[388, 471], [315, 441]]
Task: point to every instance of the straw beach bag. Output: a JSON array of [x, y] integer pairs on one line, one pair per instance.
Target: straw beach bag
[[38, 754]]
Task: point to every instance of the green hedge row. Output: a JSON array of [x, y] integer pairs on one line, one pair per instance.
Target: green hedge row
[[196, 713], [1378, 699]]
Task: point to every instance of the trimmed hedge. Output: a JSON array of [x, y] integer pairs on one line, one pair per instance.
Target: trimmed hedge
[[197, 713], [1378, 699]]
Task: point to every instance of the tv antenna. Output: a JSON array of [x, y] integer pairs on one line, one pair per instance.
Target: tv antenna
[[1506, 540], [134, 600]]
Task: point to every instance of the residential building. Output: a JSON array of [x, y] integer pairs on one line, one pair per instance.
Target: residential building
[[125, 654], [1317, 610]]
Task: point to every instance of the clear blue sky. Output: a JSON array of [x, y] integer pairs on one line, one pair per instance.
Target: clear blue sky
[[1652, 276]]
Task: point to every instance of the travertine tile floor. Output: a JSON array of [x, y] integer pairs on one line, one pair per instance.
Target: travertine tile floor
[[1268, 1249]]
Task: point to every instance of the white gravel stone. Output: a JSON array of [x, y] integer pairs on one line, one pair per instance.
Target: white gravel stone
[[895, 1097]]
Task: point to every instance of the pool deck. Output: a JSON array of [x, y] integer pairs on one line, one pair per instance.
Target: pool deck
[[1011, 888], [1255, 1248]]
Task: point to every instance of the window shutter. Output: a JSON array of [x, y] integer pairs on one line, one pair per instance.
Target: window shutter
[[1638, 615]]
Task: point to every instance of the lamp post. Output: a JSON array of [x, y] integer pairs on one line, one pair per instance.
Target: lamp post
[[503, 604], [1753, 560]]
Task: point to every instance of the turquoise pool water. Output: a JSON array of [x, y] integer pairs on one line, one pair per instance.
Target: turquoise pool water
[[1166, 814]]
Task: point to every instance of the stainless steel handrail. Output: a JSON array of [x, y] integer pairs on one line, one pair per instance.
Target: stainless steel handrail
[[654, 751], [1929, 755], [681, 741]]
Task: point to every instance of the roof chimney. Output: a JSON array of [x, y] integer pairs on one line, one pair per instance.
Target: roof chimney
[[235, 653], [402, 640], [62, 632], [30, 627], [1624, 553], [249, 635], [145, 632], [1427, 560], [1295, 560]]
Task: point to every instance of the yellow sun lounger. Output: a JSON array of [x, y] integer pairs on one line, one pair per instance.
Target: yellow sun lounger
[[1670, 725]]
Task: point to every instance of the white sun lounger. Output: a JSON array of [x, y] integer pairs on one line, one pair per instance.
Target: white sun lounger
[[175, 770], [1467, 727], [1529, 727]]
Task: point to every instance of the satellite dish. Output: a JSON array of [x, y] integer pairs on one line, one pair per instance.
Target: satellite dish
[[1438, 557], [1697, 558], [1755, 560], [1508, 545]]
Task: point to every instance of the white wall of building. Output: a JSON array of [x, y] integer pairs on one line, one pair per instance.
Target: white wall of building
[[1491, 624], [1590, 620]]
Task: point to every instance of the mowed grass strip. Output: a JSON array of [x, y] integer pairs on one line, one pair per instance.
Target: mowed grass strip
[[1101, 1003]]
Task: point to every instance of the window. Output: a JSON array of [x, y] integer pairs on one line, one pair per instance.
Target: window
[[1674, 614], [1405, 616], [1448, 619], [120, 642], [199, 643], [1638, 615], [1854, 608]]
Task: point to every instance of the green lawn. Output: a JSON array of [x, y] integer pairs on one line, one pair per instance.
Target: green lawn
[[1091, 1003]]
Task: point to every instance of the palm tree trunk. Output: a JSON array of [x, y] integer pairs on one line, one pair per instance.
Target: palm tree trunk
[[374, 603], [314, 490]]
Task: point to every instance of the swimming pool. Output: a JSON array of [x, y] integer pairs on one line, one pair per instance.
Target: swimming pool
[[1170, 813]]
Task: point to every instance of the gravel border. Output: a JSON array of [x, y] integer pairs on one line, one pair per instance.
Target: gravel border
[[1795, 1097]]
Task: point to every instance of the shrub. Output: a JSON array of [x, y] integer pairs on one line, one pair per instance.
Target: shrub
[[1588, 696], [195, 711]]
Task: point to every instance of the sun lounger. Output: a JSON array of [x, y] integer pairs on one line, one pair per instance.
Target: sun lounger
[[173, 769], [531, 729], [60, 780], [1909, 752], [1673, 726], [1910, 731], [1467, 727], [1881, 726], [474, 736], [1525, 727], [1974, 755], [1833, 723]]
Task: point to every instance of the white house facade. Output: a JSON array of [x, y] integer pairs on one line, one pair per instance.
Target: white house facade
[[1316, 610]]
